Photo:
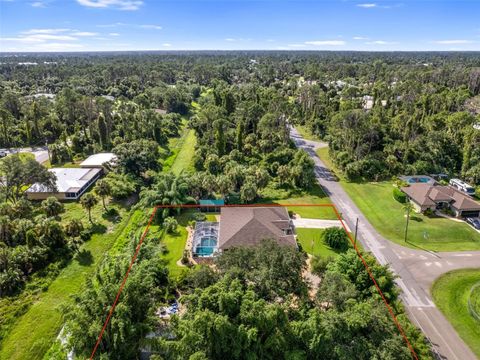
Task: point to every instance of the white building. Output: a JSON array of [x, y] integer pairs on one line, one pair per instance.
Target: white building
[[71, 183], [97, 160]]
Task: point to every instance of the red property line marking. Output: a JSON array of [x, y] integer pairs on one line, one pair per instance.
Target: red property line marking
[[195, 206]]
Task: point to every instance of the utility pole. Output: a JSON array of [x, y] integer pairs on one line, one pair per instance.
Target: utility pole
[[408, 218], [356, 230]]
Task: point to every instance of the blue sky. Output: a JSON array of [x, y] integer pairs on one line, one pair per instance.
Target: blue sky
[[101, 25]]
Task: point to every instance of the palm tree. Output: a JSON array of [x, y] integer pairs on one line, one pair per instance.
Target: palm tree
[[103, 190], [52, 207], [88, 201], [408, 207]]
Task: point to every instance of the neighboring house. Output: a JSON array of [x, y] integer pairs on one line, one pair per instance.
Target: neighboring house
[[425, 196], [243, 226], [97, 160], [71, 183]]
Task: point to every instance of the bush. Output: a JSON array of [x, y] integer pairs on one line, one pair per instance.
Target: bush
[[399, 195], [428, 212], [319, 264], [336, 238]]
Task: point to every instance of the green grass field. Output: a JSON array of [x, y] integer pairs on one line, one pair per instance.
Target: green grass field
[[386, 214], [450, 293], [184, 158]]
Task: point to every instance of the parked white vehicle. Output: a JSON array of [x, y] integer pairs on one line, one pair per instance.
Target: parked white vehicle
[[462, 186], [3, 153]]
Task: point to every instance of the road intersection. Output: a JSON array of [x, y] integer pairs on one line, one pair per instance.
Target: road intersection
[[416, 269]]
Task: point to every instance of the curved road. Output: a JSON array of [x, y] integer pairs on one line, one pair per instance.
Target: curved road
[[416, 269]]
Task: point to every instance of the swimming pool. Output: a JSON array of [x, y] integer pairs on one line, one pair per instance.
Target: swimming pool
[[414, 180], [206, 246]]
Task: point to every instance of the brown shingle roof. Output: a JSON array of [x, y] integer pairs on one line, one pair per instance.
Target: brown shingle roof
[[425, 194], [248, 226]]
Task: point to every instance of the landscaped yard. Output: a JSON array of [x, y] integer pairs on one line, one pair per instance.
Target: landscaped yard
[[386, 214], [312, 242], [450, 293]]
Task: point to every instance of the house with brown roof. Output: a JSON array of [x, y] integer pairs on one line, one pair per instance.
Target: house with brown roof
[[435, 197], [243, 226]]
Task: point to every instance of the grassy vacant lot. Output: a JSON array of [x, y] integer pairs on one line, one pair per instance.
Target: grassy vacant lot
[[35, 331], [376, 202], [450, 293]]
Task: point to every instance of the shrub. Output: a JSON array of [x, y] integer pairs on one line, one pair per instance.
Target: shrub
[[428, 212], [319, 264], [336, 238], [399, 195]]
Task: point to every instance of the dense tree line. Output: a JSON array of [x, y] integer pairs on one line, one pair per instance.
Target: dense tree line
[[257, 306]]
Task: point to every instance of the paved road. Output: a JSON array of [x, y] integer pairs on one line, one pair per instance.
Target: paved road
[[40, 153], [416, 269]]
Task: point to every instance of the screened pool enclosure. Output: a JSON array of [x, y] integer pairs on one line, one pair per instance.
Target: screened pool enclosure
[[205, 238]]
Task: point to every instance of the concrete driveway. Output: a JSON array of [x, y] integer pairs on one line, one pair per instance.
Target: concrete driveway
[[317, 223], [416, 269]]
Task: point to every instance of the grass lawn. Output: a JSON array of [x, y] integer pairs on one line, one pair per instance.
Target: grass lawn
[[314, 196], [450, 293], [376, 202], [312, 242], [36, 330], [184, 159]]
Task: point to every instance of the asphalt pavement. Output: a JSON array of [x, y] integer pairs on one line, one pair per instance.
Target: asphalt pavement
[[416, 269]]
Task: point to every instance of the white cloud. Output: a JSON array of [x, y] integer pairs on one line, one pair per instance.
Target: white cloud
[[297, 45], [111, 25], [84, 33], [360, 38], [57, 46], [155, 27], [52, 37], [326, 42], [114, 34], [38, 4], [166, 45], [44, 31], [380, 42], [367, 6], [453, 42], [230, 39], [116, 4]]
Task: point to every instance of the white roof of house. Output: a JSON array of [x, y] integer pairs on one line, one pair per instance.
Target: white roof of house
[[98, 160], [68, 180]]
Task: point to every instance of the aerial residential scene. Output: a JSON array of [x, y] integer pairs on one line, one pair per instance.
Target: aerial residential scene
[[226, 179]]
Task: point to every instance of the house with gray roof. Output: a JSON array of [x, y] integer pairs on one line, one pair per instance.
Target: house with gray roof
[[243, 226], [425, 196], [70, 183]]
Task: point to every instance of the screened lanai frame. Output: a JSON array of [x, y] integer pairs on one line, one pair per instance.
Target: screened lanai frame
[[205, 238]]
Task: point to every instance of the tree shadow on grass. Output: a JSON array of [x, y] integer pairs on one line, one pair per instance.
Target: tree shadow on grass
[[99, 228], [112, 215], [84, 257]]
